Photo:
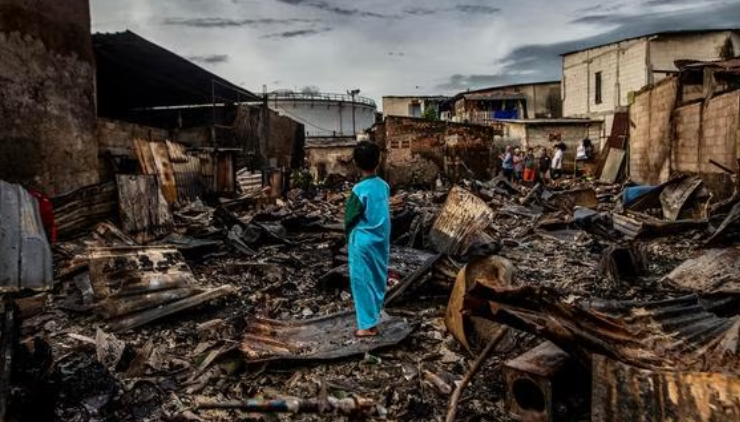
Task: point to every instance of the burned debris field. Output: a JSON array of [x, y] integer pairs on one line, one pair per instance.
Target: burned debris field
[[183, 239]]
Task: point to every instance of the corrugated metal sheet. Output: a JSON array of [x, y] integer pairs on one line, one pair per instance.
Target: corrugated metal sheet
[[324, 338], [712, 271], [683, 334], [463, 215], [25, 255], [623, 393]]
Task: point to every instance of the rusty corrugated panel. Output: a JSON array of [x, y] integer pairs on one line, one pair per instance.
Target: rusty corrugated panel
[[188, 179], [145, 156], [712, 271], [164, 171], [133, 286], [676, 334], [177, 152], [324, 338], [208, 171], [225, 173], [25, 255], [463, 216], [674, 197], [75, 213], [145, 214], [623, 393]]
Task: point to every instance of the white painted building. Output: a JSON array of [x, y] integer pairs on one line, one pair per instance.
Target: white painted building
[[326, 115], [600, 81]]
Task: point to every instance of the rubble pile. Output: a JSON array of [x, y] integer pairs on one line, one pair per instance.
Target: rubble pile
[[240, 308]]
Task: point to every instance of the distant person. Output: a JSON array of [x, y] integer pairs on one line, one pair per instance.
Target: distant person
[[529, 166], [368, 226], [544, 166], [518, 165], [507, 164], [556, 168]]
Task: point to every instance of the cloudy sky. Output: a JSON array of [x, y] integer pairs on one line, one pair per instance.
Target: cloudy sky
[[395, 47]]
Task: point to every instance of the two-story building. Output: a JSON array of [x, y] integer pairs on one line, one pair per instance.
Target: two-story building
[[520, 101], [411, 106], [602, 80]]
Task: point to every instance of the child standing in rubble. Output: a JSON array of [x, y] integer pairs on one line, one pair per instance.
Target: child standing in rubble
[[368, 226]]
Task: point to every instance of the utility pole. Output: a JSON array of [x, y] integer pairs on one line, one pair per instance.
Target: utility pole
[[353, 93]]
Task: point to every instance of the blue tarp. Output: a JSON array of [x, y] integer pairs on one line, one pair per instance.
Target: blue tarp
[[632, 192]]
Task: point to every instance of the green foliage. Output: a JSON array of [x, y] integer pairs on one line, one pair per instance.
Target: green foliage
[[430, 114]]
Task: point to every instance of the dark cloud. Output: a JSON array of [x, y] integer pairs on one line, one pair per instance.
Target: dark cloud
[[421, 11], [220, 22], [477, 9], [210, 59], [656, 3], [337, 10], [462, 82], [297, 33], [543, 62]]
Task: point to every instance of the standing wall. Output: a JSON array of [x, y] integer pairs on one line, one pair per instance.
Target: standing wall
[[47, 106]]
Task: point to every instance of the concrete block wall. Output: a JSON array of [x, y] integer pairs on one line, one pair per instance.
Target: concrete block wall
[[47, 106], [666, 49], [687, 150], [650, 136]]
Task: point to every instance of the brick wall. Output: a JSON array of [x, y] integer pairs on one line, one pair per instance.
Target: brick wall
[[47, 106], [326, 158], [650, 135], [417, 150]]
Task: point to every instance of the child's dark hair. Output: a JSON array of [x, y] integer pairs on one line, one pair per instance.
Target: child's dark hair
[[367, 156]]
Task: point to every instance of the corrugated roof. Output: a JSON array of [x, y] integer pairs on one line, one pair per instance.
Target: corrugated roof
[[134, 73], [25, 255]]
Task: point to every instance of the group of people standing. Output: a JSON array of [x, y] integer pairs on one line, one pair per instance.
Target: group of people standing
[[532, 166]]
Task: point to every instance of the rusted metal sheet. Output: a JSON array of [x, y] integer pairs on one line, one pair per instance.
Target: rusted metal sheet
[[144, 212], [546, 383], [489, 270], [462, 217], [624, 393], [187, 179], [164, 171], [674, 197], [612, 166], [325, 338], [712, 271], [568, 200], [76, 212], [680, 334], [728, 228], [25, 255], [225, 173], [635, 225], [135, 285], [250, 183], [145, 156]]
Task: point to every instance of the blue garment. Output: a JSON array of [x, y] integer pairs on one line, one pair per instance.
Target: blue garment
[[369, 248], [508, 161]]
